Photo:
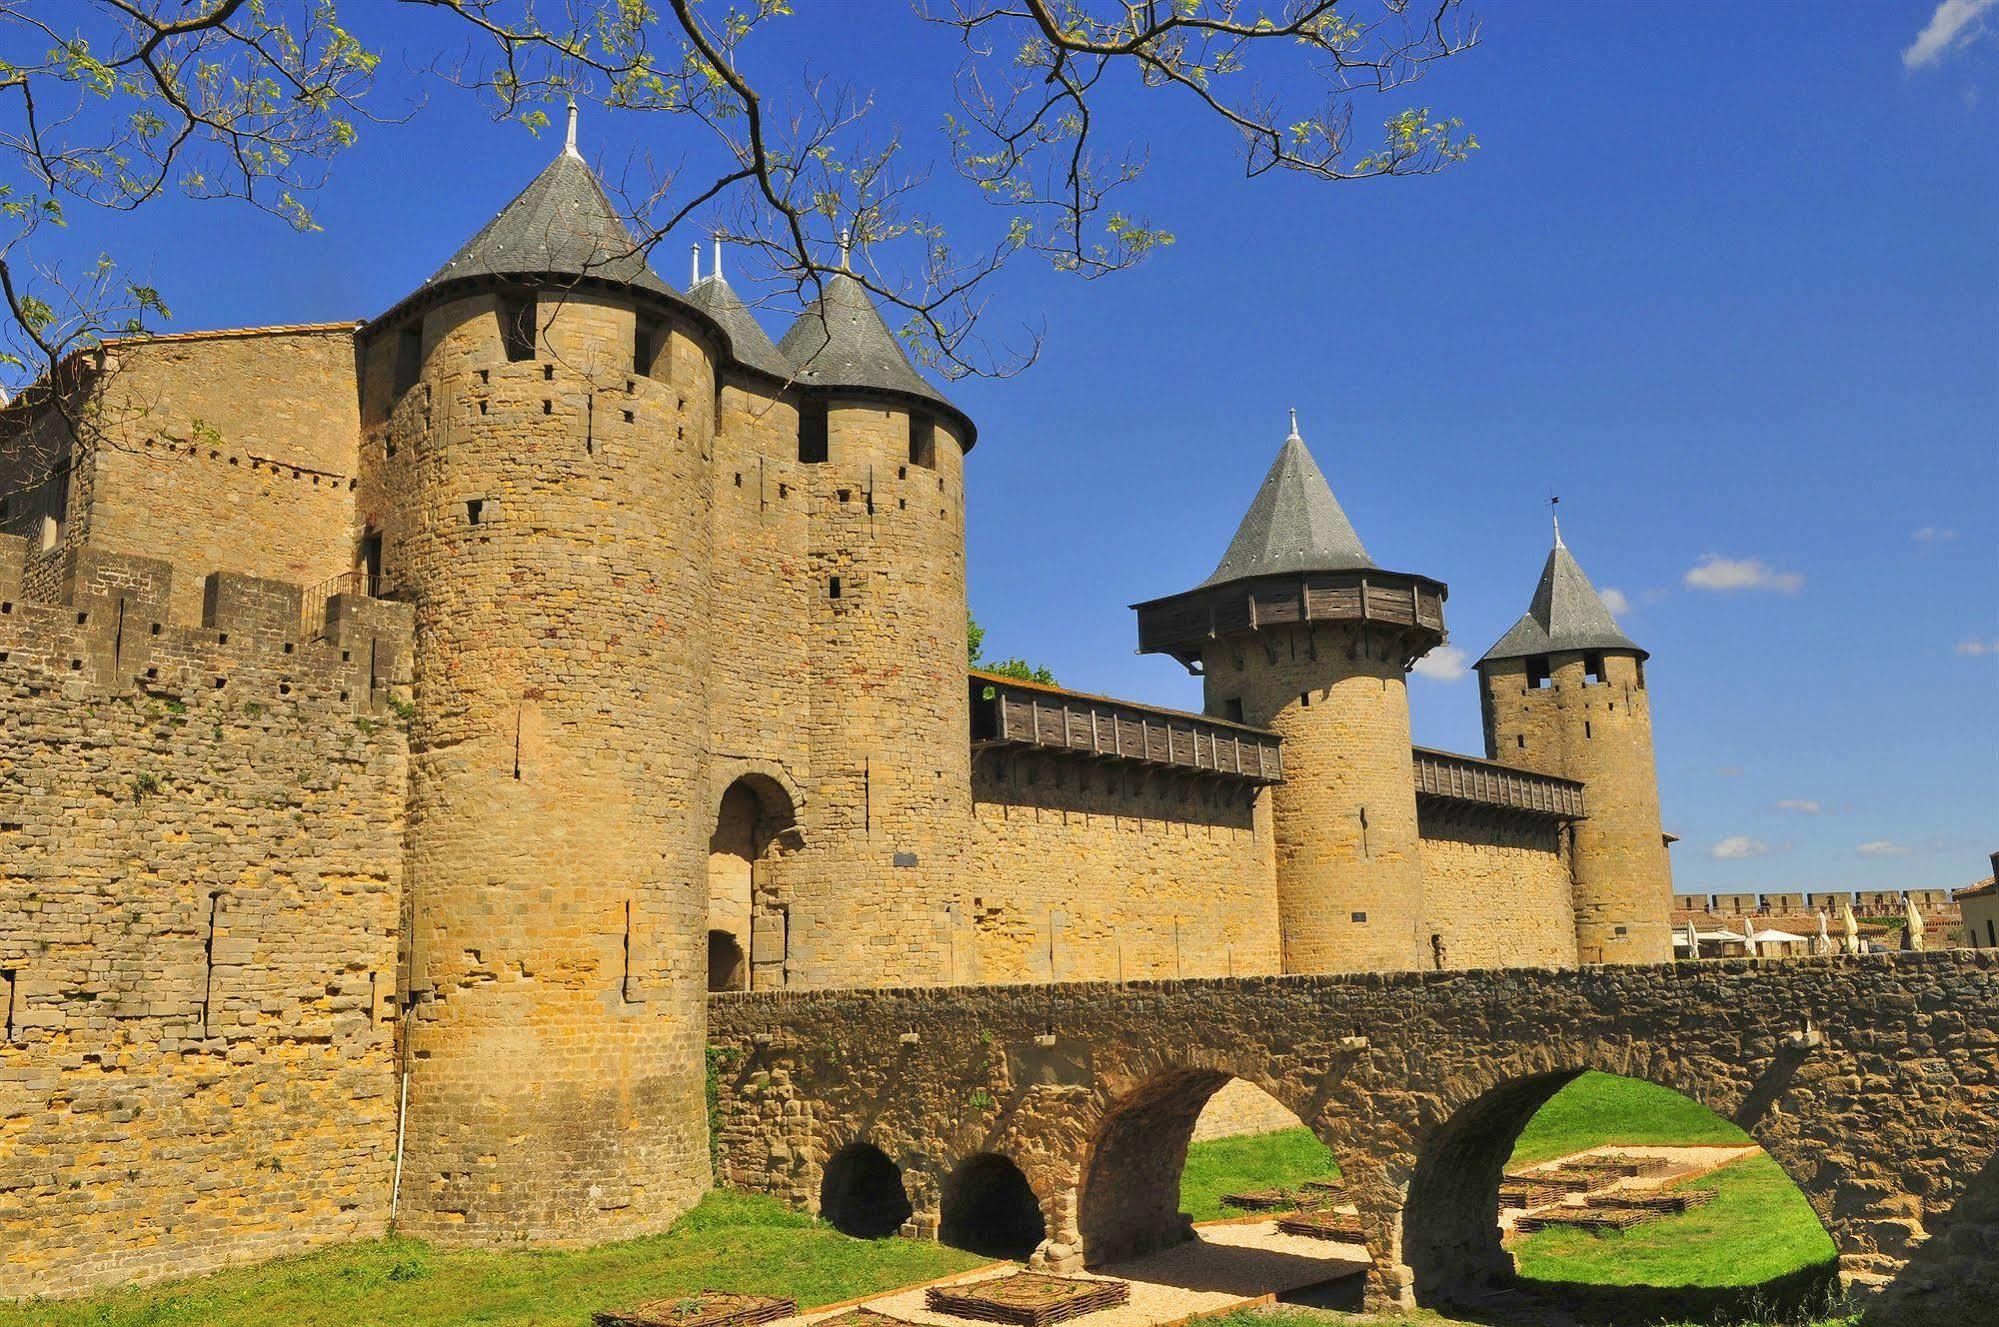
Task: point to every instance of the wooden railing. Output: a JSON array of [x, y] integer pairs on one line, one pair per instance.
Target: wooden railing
[[1008, 712], [1469, 779]]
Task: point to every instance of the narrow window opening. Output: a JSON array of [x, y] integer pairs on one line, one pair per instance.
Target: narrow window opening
[[833, 587], [1641, 674], [1437, 950], [1305, 699], [475, 510], [517, 328], [1593, 669], [1537, 672], [922, 440], [1360, 918], [1363, 833], [1232, 709], [625, 981], [208, 960], [1991, 942], [1587, 735], [1520, 740], [812, 439], [548, 373], [371, 563], [409, 358], [7, 975], [645, 346]]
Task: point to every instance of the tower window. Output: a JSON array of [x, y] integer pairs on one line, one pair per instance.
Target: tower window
[[833, 587], [517, 327], [409, 358], [1537, 672], [1360, 918], [1520, 740], [1587, 734], [1641, 674], [645, 345], [922, 440], [1305, 700], [1593, 668], [475, 510], [1232, 709], [812, 443]]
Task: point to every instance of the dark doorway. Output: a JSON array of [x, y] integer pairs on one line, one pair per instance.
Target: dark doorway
[[989, 1209], [726, 969], [862, 1194]]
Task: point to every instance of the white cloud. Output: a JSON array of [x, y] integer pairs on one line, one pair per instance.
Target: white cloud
[[1715, 572], [1975, 646], [1802, 805], [1446, 664], [1738, 848], [1614, 599], [1883, 848], [1952, 24], [1931, 534]]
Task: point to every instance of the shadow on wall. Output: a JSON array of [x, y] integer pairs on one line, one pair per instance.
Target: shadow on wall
[[989, 1209], [862, 1193], [1940, 1285]]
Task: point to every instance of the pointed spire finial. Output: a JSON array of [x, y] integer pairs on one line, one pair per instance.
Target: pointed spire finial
[[1556, 517], [846, 242], [718, 254], [569, 146], [1294, 426], [695, 280]]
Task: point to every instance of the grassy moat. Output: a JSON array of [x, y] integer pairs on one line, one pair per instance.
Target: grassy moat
[[1758, 1227]]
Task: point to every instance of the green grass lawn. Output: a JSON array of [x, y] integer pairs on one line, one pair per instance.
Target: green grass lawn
[[1595, 1109], [1759, 1227], [1256, 1161], [730, 1242]]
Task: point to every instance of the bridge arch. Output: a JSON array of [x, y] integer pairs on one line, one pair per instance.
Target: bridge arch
[[1450, 1239], [988, 1207], [861, 1192]]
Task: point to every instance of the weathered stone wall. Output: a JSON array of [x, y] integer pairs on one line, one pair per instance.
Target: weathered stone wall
[[1872, 1081], [1348, 861], [548, 517], [1496, 888], [1599, 733], [1110, 873], [1239, 1109], [227, 451], [1981, 921], [890, 807], [200, 863]]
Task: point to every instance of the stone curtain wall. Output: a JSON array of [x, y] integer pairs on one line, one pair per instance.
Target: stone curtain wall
[[200, 869], [228, 451], [1130, 873], [1872, 1081], [1496, 889]]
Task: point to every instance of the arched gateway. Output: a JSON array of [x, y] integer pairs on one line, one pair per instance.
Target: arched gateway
[[1868, 1080]]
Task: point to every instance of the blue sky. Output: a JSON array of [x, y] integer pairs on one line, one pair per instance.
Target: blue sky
[[1722, 276]]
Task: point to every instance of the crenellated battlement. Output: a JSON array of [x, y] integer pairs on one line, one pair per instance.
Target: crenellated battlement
[[104, 627]]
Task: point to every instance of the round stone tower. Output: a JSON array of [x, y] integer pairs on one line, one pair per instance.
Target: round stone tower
[[537, 417], [1563, 693], [882, 456], [1297, 630]]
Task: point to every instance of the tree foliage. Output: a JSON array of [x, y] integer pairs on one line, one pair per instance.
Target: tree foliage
[[1012, 666], [112, 103]]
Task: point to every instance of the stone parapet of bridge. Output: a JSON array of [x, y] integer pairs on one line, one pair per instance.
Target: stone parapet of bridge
[[1872, 1081]]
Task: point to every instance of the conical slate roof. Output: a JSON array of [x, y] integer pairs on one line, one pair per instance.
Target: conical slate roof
[[1293, 525], [747, 338], [1567, 614], [841, 341], [561, 224]]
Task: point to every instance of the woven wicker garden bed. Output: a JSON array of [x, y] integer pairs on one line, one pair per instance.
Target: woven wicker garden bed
[[861, 1318], [1586, 1218], [1560, 1181], [710, 1308], [1342, 1227], [1618, 1164], [1263, 1200], [1680, 1200], [1027, 1298]]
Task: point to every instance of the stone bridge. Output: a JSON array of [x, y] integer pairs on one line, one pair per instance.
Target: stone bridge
[[1873, 1082]]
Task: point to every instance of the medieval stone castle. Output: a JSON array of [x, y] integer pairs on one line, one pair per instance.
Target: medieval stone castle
[[404, 726]]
